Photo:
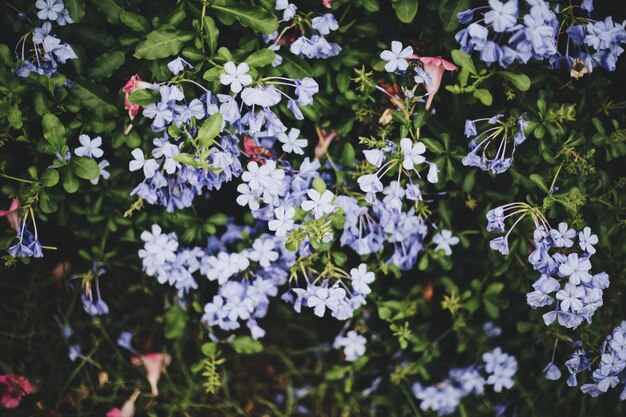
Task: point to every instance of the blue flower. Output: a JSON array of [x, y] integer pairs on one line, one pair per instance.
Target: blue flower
[[502, 15]]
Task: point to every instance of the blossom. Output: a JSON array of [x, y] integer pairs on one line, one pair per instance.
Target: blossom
[[502, 15], [49, 9], [571, 297], [412, 153], [235, 75], [283, 222], [134, 83], [563, 236], [576, 269], [444, 240], [434, 67], [325, 23], [319, 204], [149, 165], [177, 65], [11, 214], [17, 387], [361, 277], [291, 143], [263, 252], [353, 345], [396, 57], [154, 364], [586, 240]]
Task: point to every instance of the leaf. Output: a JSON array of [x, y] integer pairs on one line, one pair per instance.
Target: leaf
[[463, 59], [85, 168], [186, 159], [484, 96], [161, 43], [210, 129], [348, 155], [110, 8], [405, 9], [76, 9], [370, 5], [246, 345], [70, 182], [448, 11], [144, 96], [50, 177], [520, 81], [106, 64], [539, 182], [254, 17], [212, 33], [135, 22], [175, 323], [260, 58], [94, 98], [294, 66], [53, 131], [14, 117]]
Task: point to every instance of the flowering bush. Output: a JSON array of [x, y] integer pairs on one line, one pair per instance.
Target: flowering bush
[[229, 207]]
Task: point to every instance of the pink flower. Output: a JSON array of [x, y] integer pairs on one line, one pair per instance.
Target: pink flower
[[155, 364], [128, 409], [133, 84], [327, 3], [17, 388], [325, 139], [434, 66], [11, 214]]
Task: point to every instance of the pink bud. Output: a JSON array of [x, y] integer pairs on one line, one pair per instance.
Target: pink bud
[[17, 388], [434, 66], [11, 214], [155, 364]]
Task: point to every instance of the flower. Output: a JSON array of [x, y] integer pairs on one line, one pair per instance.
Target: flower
[[502, 15], [17, 387], [563, 236], [149, 165], [397, 57], [236, 76], [134, 83], [11, 214], [319, 204], [49, 9], [361, 277], [586, 240], [283, 221], [177, 65], [444, 240], [353, 345], [552, 372], [154, 364], [571, 297], [412, 153], [90, 148], [434, 68], [291, 143], [576, 269]]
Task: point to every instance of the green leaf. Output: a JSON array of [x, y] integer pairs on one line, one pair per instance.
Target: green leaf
[[14, 116], [50, 177], [463, 59], [212, 33], [210, 129], [53, 131], [246, 345], [484, 96], [370, 5], [76, 9], [85, 168], [254, 17], [70, 182], [161, 43], [106, 64], [448, 10], [144, 97], [175, 323], [110, 8], [95, 98], [186, 159], [539, 182], [348, 155], [520, 81], [260, 58], [295, 66], [405, 9], [135, 22]]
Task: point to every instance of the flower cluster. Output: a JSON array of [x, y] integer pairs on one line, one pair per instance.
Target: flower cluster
[[293, 34], [28, 244], [48, 50], [564, 272], [444, 397], [505, 136], [506, 35]]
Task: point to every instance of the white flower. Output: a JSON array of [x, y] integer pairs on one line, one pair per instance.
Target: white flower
[[444, 240], [149, 165], [90, 148], [586, 241], [576, 269], [571, 297], [263, 252], [396, 58], [48, 9], [370, 183], [361, 278], [412, 153], [375, 157], [236, 76], [563, 236], [283, 222], [291, 143], [353, 345], [247, 197], [319, 203]]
